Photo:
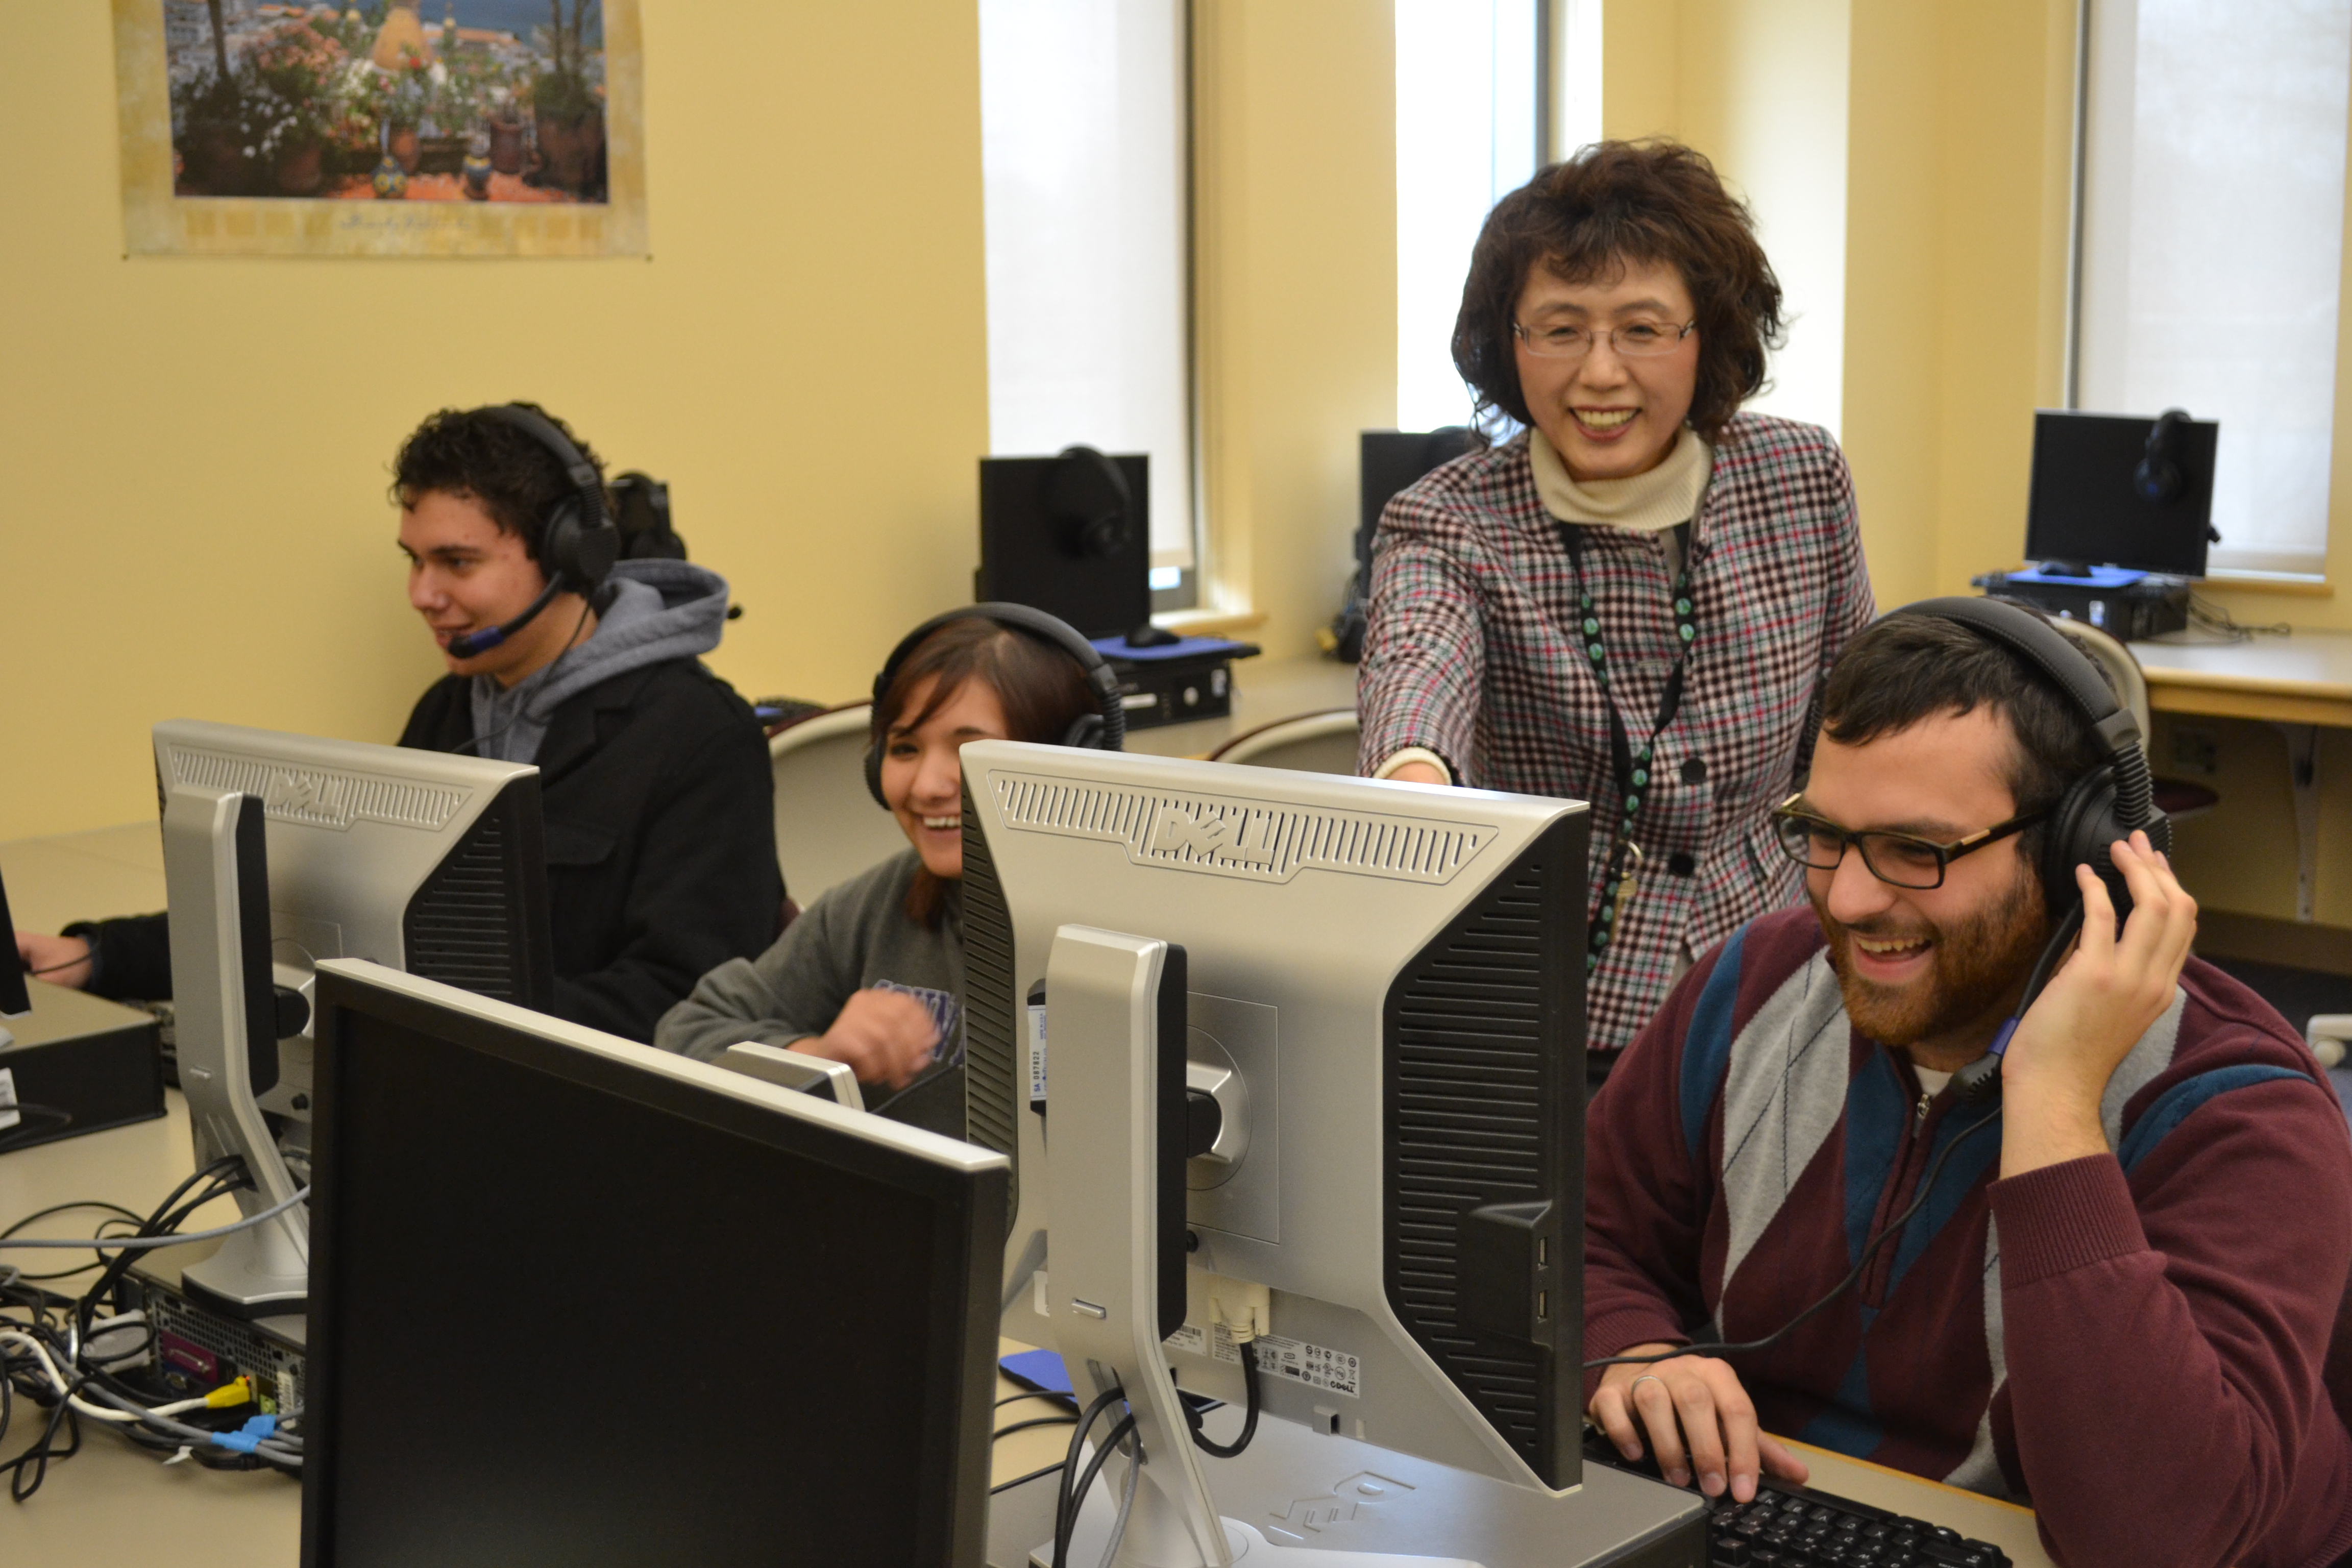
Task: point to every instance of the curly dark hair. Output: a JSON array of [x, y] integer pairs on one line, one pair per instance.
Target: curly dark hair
[[1652, 201], [1906, 668], [471, 452]]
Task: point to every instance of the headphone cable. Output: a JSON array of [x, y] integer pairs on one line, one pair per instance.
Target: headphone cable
[[1892, 1227]]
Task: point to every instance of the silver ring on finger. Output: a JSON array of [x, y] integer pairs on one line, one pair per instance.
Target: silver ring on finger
[[1646, 1377]]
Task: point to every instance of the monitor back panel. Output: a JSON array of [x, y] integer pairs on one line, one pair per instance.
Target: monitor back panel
[[1397, 975]]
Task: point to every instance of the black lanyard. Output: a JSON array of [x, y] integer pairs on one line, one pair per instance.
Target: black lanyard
[[1630, 763]]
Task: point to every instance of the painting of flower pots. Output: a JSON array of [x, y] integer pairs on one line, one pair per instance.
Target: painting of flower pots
[[377, 127]]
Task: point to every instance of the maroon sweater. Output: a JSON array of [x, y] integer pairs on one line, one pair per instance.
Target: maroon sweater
[[2133, 1344]]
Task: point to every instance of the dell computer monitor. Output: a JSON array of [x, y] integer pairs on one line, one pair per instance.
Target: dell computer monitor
[[282, 851], [1395, 975], [14, 1000], [577, 1301], [418, 860], [2101, 494]]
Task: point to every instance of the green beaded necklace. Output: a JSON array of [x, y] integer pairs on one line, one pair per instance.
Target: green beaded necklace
[[1629, 762]]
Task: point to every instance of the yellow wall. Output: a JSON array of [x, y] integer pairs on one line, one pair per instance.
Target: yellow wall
[[1957, 166], [1295, 167], [195, 450]]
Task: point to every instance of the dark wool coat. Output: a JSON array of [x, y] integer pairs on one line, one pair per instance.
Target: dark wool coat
[[661, 836]]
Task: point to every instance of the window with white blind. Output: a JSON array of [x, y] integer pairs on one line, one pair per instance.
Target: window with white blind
[[1478, 86], [2212, 227], [1085, 171]]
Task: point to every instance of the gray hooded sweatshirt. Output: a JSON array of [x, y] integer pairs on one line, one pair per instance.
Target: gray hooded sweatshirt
[[660, 610]]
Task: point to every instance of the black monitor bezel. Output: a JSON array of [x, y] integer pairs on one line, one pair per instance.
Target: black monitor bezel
[[2065, 439], [16, 998], [964, 1268]]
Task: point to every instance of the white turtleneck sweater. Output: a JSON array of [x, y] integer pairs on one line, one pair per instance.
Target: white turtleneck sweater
[[1660, 499]]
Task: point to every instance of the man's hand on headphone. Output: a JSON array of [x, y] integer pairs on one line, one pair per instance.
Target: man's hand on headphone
[[885, 1037], [2105, 995]]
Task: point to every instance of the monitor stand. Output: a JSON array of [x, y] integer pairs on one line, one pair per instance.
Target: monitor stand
[[1327, 1501], [216, 882], [1297, 1497]]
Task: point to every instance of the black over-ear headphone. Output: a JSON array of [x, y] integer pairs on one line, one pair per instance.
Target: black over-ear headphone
[[2157, 478], [1104, 729], [2105, 804], [1092, 508], [577, 543]]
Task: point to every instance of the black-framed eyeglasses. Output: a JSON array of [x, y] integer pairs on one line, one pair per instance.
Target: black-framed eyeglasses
[[1898, 860]]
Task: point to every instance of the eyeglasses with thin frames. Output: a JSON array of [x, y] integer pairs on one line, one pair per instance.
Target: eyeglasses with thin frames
[[1633, 339], [1898, 860]]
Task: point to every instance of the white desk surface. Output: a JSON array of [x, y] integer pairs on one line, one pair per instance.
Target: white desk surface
[[96, 875], [2304, 677], [228, 1519], [2317, 660], [245, 1519]]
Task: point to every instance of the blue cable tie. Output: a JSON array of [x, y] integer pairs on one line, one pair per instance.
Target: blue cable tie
[[239, 1442], [261, 1426]]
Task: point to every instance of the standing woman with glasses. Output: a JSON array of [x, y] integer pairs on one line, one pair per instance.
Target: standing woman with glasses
[[1635, 601]]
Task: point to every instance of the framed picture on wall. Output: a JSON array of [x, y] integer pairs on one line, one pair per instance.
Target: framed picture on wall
[[381, 127]]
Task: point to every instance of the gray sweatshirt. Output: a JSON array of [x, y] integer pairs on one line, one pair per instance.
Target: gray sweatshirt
[[660, 610], [856, 934]]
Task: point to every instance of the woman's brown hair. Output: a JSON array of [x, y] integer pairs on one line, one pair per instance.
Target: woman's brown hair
[[1615, 202], [1041, 689]]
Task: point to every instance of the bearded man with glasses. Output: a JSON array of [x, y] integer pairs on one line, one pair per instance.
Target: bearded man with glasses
[[2107, 1284]]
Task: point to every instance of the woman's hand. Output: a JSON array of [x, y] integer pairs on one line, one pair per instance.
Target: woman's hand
[[885, 1037], [1419, 773], [59, 960], [1698, 1417]]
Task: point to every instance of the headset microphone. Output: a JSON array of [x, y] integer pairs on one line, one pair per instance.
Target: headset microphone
[[471, 645], [577, 542]]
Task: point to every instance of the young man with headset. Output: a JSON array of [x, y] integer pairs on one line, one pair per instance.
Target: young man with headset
[[654, 776], [1955, 1171]]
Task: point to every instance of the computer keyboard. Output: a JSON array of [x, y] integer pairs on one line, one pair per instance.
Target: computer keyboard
[[1790, 1526], [1797, 1527]]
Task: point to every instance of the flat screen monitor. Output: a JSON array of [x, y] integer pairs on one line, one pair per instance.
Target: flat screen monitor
[[14, 1000], [1070, 535], [1391, 461], [418, 860], [577, 1301], [2084, 507], [1395, 976]]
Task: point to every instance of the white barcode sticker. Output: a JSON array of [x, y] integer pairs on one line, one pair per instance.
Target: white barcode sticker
[[9, 1114], [1215, 1341], [1314, 1365], [1036, 1056]]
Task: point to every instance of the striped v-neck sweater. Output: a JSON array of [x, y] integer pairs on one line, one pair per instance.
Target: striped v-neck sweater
[[2136, 1345]]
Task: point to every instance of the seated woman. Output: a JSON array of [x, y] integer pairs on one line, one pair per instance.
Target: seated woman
[[870, 973]]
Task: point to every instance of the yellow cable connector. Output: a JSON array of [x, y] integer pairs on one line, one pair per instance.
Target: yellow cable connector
[[239, 1391]]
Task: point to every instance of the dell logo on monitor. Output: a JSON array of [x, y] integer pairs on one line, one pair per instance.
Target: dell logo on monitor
[[1214, 836]]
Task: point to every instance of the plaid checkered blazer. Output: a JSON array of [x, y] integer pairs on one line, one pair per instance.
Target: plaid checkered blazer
[[1473, 653]]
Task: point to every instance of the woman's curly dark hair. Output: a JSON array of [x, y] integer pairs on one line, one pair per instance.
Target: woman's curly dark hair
[[472, 453], [1653, 202]]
